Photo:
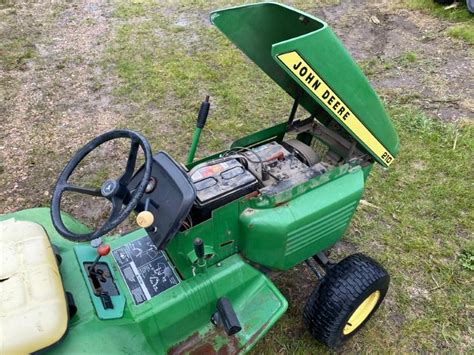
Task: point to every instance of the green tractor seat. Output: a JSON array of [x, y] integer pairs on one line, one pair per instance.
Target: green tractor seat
[[33, 308]]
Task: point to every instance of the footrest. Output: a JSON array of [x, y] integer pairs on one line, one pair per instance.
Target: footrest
[[256, 302]]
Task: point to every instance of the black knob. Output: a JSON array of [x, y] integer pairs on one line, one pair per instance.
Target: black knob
[[199, 247], [203, 112]]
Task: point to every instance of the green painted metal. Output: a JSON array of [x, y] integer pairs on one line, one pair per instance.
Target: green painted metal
[[194, 145], [265, 30], [177, 319], [329, 198], [84, 254], [313, 216], [282, 236]]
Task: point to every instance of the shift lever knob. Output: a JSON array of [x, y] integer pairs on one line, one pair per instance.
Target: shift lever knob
[[103, 250], [198, 247]]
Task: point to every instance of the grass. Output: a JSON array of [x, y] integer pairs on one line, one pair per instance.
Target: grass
[[145, 60], [16, 47], [16, 50], [457, 14], [378, 65], [462, 31], [464, 21], [422, 230], [407, 58]]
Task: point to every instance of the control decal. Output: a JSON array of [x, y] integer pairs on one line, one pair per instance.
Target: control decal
[[145, 269]]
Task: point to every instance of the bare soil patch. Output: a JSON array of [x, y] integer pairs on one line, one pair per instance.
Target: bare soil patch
[[57, 99], [407, 56]]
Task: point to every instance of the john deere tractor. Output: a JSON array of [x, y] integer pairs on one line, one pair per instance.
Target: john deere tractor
[[196, 275]]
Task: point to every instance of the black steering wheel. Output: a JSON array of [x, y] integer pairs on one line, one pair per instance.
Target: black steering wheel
[[116, 191]]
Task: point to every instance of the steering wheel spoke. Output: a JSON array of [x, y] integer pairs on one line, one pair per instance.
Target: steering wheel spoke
[[131, 161], [117, 203], [82, 190]]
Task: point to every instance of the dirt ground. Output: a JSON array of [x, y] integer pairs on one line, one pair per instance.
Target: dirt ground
[[54, 101], [58, 91], [438, 79]]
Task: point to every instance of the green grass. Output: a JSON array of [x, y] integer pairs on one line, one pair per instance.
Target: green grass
[[422, 230], [464, 29], [408, 58], [167, 67], [457, 14], [378, 65], [15, 52], [16, 47]]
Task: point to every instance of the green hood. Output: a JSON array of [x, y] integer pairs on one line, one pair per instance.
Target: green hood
[[302, 55]]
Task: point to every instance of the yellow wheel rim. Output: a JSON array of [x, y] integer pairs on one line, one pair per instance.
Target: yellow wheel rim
[[361, 313]]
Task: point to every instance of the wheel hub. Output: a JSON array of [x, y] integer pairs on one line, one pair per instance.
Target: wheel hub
[[361, 313]]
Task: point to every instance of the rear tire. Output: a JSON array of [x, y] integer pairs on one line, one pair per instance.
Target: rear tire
[[470, 6], [345, 299]]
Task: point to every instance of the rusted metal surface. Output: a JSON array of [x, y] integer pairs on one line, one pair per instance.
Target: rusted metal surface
[[256, 336], [216, 342], [252, 195], [212, 342]]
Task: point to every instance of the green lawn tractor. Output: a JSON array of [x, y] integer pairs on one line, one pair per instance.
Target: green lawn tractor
[[196, 276]]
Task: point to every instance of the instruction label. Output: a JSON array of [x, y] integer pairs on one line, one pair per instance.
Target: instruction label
[[145, 269], [308, 76]]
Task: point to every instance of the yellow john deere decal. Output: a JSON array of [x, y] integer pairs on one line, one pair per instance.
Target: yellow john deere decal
[[323, 92]]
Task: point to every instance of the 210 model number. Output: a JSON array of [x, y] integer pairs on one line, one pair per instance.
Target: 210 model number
[[386, 157]]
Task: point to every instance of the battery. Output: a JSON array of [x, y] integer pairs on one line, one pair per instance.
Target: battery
[[220, 183]]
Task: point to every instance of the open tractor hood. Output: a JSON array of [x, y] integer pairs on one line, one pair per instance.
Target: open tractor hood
[[304, 56]]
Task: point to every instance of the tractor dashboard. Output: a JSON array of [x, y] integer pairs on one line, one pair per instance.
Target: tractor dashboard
[[168, 198]]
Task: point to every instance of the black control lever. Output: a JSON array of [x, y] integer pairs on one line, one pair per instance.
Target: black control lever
[[203, 112], [226, 317], [198, 245], [200, 123]]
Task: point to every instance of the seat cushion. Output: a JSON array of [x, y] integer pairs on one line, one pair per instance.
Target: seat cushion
[[33, 308]]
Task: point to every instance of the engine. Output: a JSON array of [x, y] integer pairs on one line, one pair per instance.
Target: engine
[[269, 169]]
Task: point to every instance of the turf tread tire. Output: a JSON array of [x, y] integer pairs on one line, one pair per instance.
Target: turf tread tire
[[339, 293]]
